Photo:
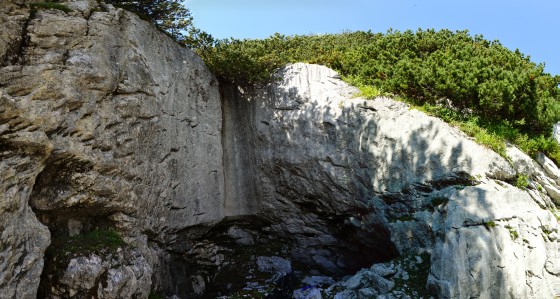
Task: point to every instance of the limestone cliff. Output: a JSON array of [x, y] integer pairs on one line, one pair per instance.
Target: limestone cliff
[[384, 175], [106, 124]]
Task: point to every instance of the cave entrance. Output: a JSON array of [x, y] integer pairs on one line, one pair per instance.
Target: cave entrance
[[248, 254]]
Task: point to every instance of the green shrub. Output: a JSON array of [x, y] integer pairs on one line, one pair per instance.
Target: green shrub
[[522, 181], [493, 94], [369, 92], [169, 16], [490, 224]]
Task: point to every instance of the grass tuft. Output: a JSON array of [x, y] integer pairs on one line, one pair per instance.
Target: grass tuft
[[98, 241], [489, 224]]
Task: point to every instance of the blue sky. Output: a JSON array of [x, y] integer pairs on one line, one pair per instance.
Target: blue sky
[[531, 26]]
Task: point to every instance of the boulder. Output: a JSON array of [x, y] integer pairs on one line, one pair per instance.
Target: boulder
[[273, 265]]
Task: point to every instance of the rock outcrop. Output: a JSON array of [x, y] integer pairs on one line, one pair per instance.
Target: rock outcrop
[[108, 127], [105, 123], [396, 177]]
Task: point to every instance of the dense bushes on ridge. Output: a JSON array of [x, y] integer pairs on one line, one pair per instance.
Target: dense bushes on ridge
[[424, 66], [491, 90]]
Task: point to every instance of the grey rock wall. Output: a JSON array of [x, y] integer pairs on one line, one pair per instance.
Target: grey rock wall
[[104, 122], [395, 182], [107, 123]]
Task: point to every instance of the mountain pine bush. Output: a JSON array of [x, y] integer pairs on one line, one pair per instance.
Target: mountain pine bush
[[501, 92]]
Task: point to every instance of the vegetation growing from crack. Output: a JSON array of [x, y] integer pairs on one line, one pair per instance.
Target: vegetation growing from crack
[[489, 224], [418, 273], [555, 212], [512, 232], [98, 241], [522, 181], [546, 230]]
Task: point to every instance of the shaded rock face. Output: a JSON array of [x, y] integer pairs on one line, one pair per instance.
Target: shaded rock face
[[377, 177], [335, 170], [106, 124]]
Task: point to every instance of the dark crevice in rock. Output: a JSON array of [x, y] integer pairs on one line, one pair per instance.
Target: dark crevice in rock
[[58, 181], [419, 197], [66, 221], [16, 52]]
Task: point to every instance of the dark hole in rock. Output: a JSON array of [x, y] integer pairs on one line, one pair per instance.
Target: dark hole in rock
[[78, 229], [208, 262]]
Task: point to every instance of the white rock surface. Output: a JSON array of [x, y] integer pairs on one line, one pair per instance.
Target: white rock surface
[[308, 294], [124, 274], [556, 132], [106, 122], [320, 151], [492, 237]]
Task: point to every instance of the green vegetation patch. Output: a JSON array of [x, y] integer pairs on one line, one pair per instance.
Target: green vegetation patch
[[418, 273], [155, 295], [98, 241], [50, 5], [490, 92], [512, 232], [522, 181], [556, 213], [489, 224]]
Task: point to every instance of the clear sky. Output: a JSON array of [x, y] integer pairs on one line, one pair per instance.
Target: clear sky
[[531, 26]]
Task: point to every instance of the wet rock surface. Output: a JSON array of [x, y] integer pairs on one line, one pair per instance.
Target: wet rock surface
[[193, 190]]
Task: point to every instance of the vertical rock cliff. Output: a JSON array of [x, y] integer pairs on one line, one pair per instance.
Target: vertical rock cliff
[[353, 182], [109, 129], [105, 123]]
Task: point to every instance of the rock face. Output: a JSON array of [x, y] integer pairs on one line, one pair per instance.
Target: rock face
[[104, 122], [107, 125], [393, 179]]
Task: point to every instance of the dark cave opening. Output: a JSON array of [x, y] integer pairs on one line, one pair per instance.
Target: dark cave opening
[[221, 260]]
